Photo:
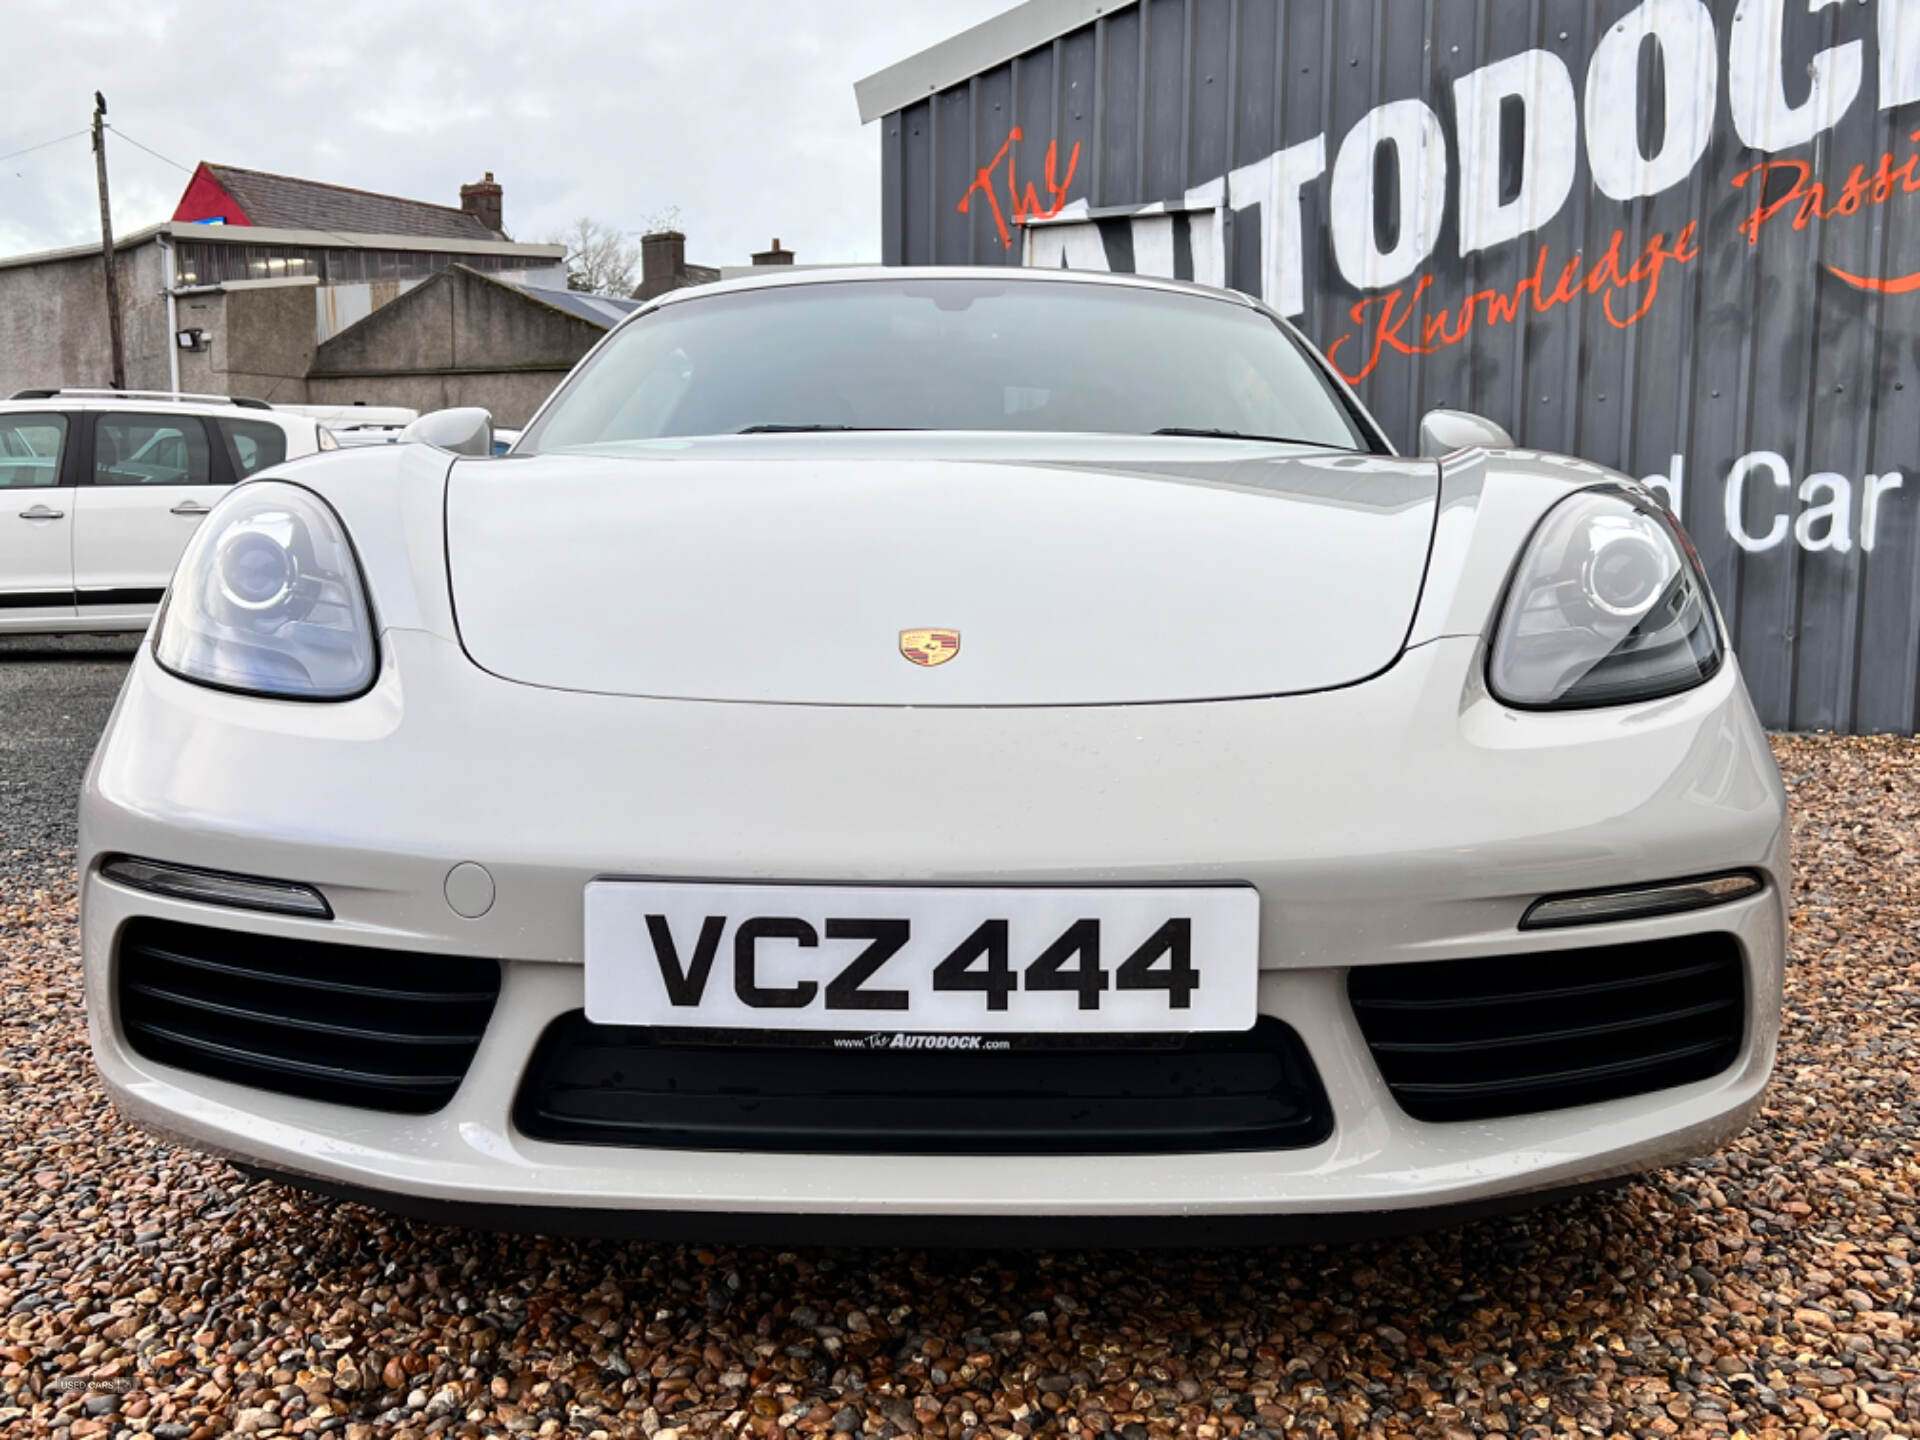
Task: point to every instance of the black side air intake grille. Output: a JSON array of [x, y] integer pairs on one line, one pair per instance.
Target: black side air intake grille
[[379, 1029], [1474, 1039], [616, 1085]]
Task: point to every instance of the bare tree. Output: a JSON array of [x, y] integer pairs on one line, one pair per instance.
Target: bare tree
[[600, 260]]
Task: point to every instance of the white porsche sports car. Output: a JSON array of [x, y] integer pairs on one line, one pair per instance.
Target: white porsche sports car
[[890, 747]]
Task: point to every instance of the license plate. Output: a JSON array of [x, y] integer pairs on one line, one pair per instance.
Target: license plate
[[950, 960]]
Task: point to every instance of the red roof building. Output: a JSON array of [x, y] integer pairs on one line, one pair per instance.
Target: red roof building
[[228, 195]]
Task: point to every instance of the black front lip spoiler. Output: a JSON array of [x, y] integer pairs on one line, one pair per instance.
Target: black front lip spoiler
[[960, 1232]]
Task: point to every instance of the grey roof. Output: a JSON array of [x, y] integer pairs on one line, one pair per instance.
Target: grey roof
[[267, 235], [680, 279], [90, 250], [283, 202], [606, 311]]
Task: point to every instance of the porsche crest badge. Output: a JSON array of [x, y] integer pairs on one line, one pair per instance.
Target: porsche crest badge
[[929, 647]]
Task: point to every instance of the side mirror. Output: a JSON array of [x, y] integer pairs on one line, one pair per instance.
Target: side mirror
[[1445, 431], [465, 431]]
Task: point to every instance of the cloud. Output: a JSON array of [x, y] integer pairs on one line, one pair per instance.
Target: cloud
[[738, 112]]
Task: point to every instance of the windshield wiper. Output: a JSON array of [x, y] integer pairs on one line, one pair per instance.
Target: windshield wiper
[[810, 429], [1208, 433]]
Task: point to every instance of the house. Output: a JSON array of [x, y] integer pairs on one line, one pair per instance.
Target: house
[[255, 272], [305, 292], [664, 267], [228, 195]]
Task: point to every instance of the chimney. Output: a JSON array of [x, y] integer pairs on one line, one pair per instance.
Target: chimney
[[775, 256], [663, 260], [482, 198]]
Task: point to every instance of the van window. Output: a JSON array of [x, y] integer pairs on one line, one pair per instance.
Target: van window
[[30, 450], [253, 444], [151, 450]]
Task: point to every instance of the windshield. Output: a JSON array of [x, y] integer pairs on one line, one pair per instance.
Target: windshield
[[949, 354]]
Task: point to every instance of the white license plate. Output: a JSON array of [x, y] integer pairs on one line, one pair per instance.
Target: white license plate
[[866, 959]]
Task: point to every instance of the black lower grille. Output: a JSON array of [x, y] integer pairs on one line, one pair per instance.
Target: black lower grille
[[1473, 1039], [616, 1085], [380, 1029]]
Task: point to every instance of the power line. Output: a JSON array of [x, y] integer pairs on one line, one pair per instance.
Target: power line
[[73, 135], [149, 149]]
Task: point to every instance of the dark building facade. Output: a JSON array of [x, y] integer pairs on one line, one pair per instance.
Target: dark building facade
[[1677, 237]]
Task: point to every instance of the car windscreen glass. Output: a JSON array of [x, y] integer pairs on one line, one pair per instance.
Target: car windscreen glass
[[945, 353]]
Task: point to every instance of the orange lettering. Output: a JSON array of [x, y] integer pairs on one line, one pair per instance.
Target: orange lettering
[[1606, 275], [983, 182], [1568, 290], [1854, 193], [1505, 309], [1646, 270], [1392, 315], [1028, 205], [1386, 331], [1900, 285], [1765, 210]]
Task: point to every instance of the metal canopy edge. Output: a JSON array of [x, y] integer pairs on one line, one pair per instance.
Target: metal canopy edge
[[990, 43]]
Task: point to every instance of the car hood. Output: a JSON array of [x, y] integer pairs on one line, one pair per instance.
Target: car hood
[[1156, 571]]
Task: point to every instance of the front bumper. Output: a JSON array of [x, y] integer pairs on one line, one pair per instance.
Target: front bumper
[[1409, 818]]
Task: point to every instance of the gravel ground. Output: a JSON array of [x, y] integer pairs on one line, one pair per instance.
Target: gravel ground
[[55, 693], [1767, 1288]]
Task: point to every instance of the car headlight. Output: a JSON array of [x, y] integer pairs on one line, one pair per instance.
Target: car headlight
[[1608, 606], [268, 600]]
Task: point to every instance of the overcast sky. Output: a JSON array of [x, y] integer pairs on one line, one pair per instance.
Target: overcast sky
[[739, 113]]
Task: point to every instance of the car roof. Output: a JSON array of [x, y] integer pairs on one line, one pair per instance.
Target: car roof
[[780, 276], [151, 404]]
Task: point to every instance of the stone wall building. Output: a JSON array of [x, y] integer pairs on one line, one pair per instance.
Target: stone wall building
[[242, 290], [299, 292], [464, 338]]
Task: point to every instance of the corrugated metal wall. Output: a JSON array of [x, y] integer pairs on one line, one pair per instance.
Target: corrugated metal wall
[[1769, 364]]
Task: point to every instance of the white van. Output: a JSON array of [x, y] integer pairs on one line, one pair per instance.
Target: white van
[[347, 417], [102, 488]]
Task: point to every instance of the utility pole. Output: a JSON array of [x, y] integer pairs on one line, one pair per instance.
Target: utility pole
[[106, 240]]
